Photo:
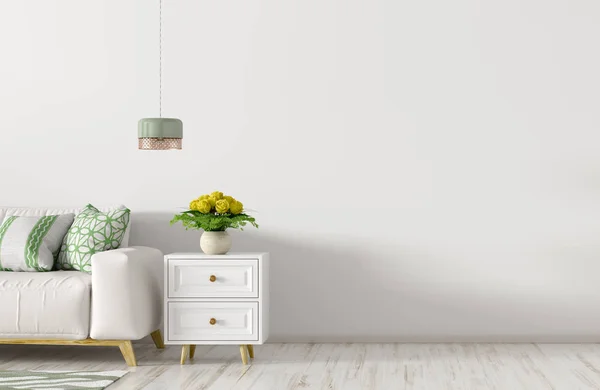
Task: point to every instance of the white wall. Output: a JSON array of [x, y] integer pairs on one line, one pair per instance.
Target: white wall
[[423, 170]]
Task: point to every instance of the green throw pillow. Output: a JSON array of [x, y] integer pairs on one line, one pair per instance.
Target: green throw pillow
[[92, 231], [32, 243]]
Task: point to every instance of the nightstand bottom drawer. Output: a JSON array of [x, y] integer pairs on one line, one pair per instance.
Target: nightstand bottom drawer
[[212, 321]]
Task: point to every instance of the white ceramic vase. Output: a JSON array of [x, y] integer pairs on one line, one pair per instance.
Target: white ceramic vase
[[215, 243]]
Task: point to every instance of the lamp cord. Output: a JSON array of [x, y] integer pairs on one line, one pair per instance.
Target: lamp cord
[[160, 59]]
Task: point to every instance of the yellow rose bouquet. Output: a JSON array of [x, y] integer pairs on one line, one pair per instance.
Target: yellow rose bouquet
[[214, 212]]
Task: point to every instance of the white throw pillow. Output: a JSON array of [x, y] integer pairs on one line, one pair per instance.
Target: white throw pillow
[[32, 243]]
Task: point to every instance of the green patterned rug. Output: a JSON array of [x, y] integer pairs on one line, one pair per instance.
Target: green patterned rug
[[58, 380]]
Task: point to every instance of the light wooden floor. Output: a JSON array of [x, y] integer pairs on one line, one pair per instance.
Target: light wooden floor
[[333, 366]]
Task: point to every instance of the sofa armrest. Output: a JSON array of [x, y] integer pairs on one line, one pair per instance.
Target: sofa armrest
[[127, 293]]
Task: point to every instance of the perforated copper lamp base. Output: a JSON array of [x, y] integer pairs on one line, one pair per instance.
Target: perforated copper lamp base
[[159, 143]]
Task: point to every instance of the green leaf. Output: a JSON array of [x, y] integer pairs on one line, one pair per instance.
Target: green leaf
[[195, 220]]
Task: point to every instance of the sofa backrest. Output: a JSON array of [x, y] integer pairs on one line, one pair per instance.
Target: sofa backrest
[[37, 212]]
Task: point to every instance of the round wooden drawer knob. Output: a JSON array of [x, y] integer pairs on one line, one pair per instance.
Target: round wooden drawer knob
[[213, 278], [213, 321]]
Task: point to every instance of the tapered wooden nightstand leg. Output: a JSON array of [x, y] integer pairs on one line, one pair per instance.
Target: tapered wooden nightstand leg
[[250, 351], [192, 350], [185, 352], [244, 353]]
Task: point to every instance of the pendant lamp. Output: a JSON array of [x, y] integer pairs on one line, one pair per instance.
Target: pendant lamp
[[160, 133]]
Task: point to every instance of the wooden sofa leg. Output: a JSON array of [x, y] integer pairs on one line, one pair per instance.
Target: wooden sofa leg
[[128, 353], [157, 338]]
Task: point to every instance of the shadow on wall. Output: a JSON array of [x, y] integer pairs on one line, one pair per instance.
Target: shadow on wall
[[338, 289]]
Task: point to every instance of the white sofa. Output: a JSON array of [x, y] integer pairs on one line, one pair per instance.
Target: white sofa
[[119, 302]]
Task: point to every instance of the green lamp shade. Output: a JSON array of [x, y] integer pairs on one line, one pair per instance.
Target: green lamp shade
[[160, 133]]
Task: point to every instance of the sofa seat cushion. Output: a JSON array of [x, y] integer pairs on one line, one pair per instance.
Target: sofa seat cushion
[[45, 305]]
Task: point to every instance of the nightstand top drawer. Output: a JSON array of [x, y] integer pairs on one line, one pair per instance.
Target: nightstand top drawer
[[226, 278]]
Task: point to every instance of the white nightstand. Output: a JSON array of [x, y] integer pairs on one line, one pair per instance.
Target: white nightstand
[[222, 299]]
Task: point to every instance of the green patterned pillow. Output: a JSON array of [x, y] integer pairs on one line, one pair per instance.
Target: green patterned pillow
[[92, 231], [32, 243]]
